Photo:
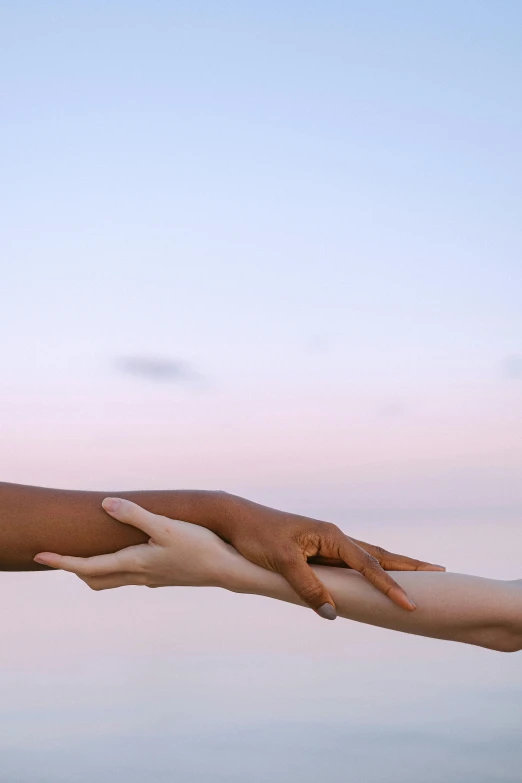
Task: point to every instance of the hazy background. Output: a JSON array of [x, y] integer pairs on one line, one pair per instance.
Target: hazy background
[[272, 248]]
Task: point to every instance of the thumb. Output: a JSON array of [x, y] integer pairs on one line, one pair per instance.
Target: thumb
[[131, 514], [306, 584]]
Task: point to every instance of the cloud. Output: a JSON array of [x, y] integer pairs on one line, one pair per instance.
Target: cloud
[[158, 370], [512, 367], [393, 408]]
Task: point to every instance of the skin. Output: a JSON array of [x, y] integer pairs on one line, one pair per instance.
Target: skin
[[33, 519], [456, 607]]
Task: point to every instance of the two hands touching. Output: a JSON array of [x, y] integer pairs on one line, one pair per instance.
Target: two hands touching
[[182, 553]]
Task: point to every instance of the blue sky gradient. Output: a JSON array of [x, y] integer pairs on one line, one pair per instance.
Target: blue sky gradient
[[315, 207]]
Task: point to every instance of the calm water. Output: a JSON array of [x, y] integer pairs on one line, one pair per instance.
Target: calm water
[[200, 685]]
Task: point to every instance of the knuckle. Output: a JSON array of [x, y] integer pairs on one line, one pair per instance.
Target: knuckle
[[137, 563], [168, 530], [329, 529], [370, 565], [131, 513], [387, 587]]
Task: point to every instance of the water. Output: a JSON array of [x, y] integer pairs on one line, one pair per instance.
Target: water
[[199, 685]]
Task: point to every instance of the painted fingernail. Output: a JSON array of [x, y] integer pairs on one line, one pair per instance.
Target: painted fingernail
[[407, 602], [327, 611], [111, 504]]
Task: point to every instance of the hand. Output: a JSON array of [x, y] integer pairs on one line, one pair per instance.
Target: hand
[[177, 553], [275, 540], [285, 543]]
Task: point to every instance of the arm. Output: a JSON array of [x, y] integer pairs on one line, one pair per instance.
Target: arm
[[36, 518], [33, 519], [456, 607]]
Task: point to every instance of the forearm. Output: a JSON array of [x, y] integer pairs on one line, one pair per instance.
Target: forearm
[[456, 607], [35, 519]]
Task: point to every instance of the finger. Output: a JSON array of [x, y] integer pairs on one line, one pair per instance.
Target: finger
[[393, 562], [131, 514], [369, 567], [84, 566], [113, 580], [307, 585]]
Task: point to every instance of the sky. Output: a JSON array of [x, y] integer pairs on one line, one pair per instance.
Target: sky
[[272, 248], [306, 215]]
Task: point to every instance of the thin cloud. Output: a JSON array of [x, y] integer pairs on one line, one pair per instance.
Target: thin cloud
[[392, 409], [512, 367], [159, 370]]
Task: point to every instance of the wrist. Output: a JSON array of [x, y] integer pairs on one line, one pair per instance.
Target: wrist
[[234, 572], [226, 514]]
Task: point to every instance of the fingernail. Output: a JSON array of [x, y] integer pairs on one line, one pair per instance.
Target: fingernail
[[406, 601], [327, 611], [44, 560], [111, 504]]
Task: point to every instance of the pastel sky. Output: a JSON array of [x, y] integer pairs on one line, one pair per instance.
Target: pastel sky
[[272, 247]]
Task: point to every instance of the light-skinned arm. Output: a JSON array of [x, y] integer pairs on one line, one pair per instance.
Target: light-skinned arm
[[456, 607]]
